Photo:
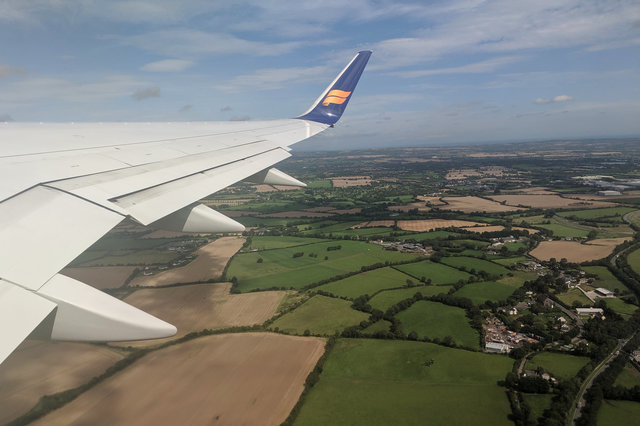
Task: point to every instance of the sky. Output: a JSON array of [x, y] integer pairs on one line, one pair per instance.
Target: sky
[[442, 72]]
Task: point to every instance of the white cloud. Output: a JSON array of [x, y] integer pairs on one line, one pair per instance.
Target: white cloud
[[9, 71], [168, 65], [555, 99], [41, 90], [486, 66], [185, 41], [146, 93], [273, 78]]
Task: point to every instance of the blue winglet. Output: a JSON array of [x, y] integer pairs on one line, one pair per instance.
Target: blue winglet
[[329, 107]]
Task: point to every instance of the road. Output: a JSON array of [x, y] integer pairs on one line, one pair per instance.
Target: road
[[577, 411]]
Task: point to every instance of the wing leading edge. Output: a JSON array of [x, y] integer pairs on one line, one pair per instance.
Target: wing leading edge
[[62, 187]]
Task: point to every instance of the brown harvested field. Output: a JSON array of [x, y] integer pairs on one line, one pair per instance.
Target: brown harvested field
[[431, 224], [40, 368], [495, 228], [199, 306], [101, 276], [475, 204], [349, 181], [537, 190], [230, 379], [274, 188], [420, 206], [462, 174], [434, 201], [347, 211], [548, 201], [481, 229], [209, 264], [529, 230], [574, 251]]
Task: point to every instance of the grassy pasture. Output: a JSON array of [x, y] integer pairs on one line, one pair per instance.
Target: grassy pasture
[[470, 263], [538, 403], [385, 299], [320, 315], [486, 290], [629, 377], [432, 235], [564, 230], [605, 278], [608, 213], [436, 272], [634, 260], [508, 261], [518, 278], [620, 306], [616, 413], [268, 242], [436, 320], [381, 325], [320, 184], [574, 295], [559, 365], [396, 387], [280, 269], [368, 282]]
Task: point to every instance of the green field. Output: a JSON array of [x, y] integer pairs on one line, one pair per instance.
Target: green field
[[432, 235], [381, 325], [605, 278], [518, 278], [620, 306], [379, 382], [629, 377], [511, 260], [435, 320], [385, 299], [328, 227], [608, 213], [280, 269], [368, 282], [561, 366], [634, 260], [469, 263], [320, 184], [487, 290], [616, 413], [268, 243], [436, 272], [564, 231], [538, 403], [320, 315], [574, 295], [125, 257]]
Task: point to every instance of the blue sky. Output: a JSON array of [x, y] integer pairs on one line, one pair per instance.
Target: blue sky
[[442, 72]]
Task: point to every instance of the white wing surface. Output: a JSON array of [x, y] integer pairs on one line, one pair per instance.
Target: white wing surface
[[63, 186]]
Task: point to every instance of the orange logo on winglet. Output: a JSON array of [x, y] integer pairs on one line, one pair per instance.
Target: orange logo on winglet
[[336, 97]]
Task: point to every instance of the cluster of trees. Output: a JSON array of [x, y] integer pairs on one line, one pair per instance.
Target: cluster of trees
[[603, 385]]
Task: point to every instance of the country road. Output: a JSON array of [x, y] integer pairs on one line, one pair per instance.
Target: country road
[[589, 381]]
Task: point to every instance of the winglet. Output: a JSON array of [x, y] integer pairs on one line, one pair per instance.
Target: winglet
[[328, 108]]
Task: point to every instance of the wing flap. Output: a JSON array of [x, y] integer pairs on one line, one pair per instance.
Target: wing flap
[[151, 204], [20, 313], [43, 229]]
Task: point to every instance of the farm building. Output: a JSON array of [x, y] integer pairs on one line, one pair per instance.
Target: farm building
[[609, 193], [604, 292], [497, 347], [589, 311]]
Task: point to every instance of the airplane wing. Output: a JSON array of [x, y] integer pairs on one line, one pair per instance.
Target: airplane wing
[[63, 186]]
